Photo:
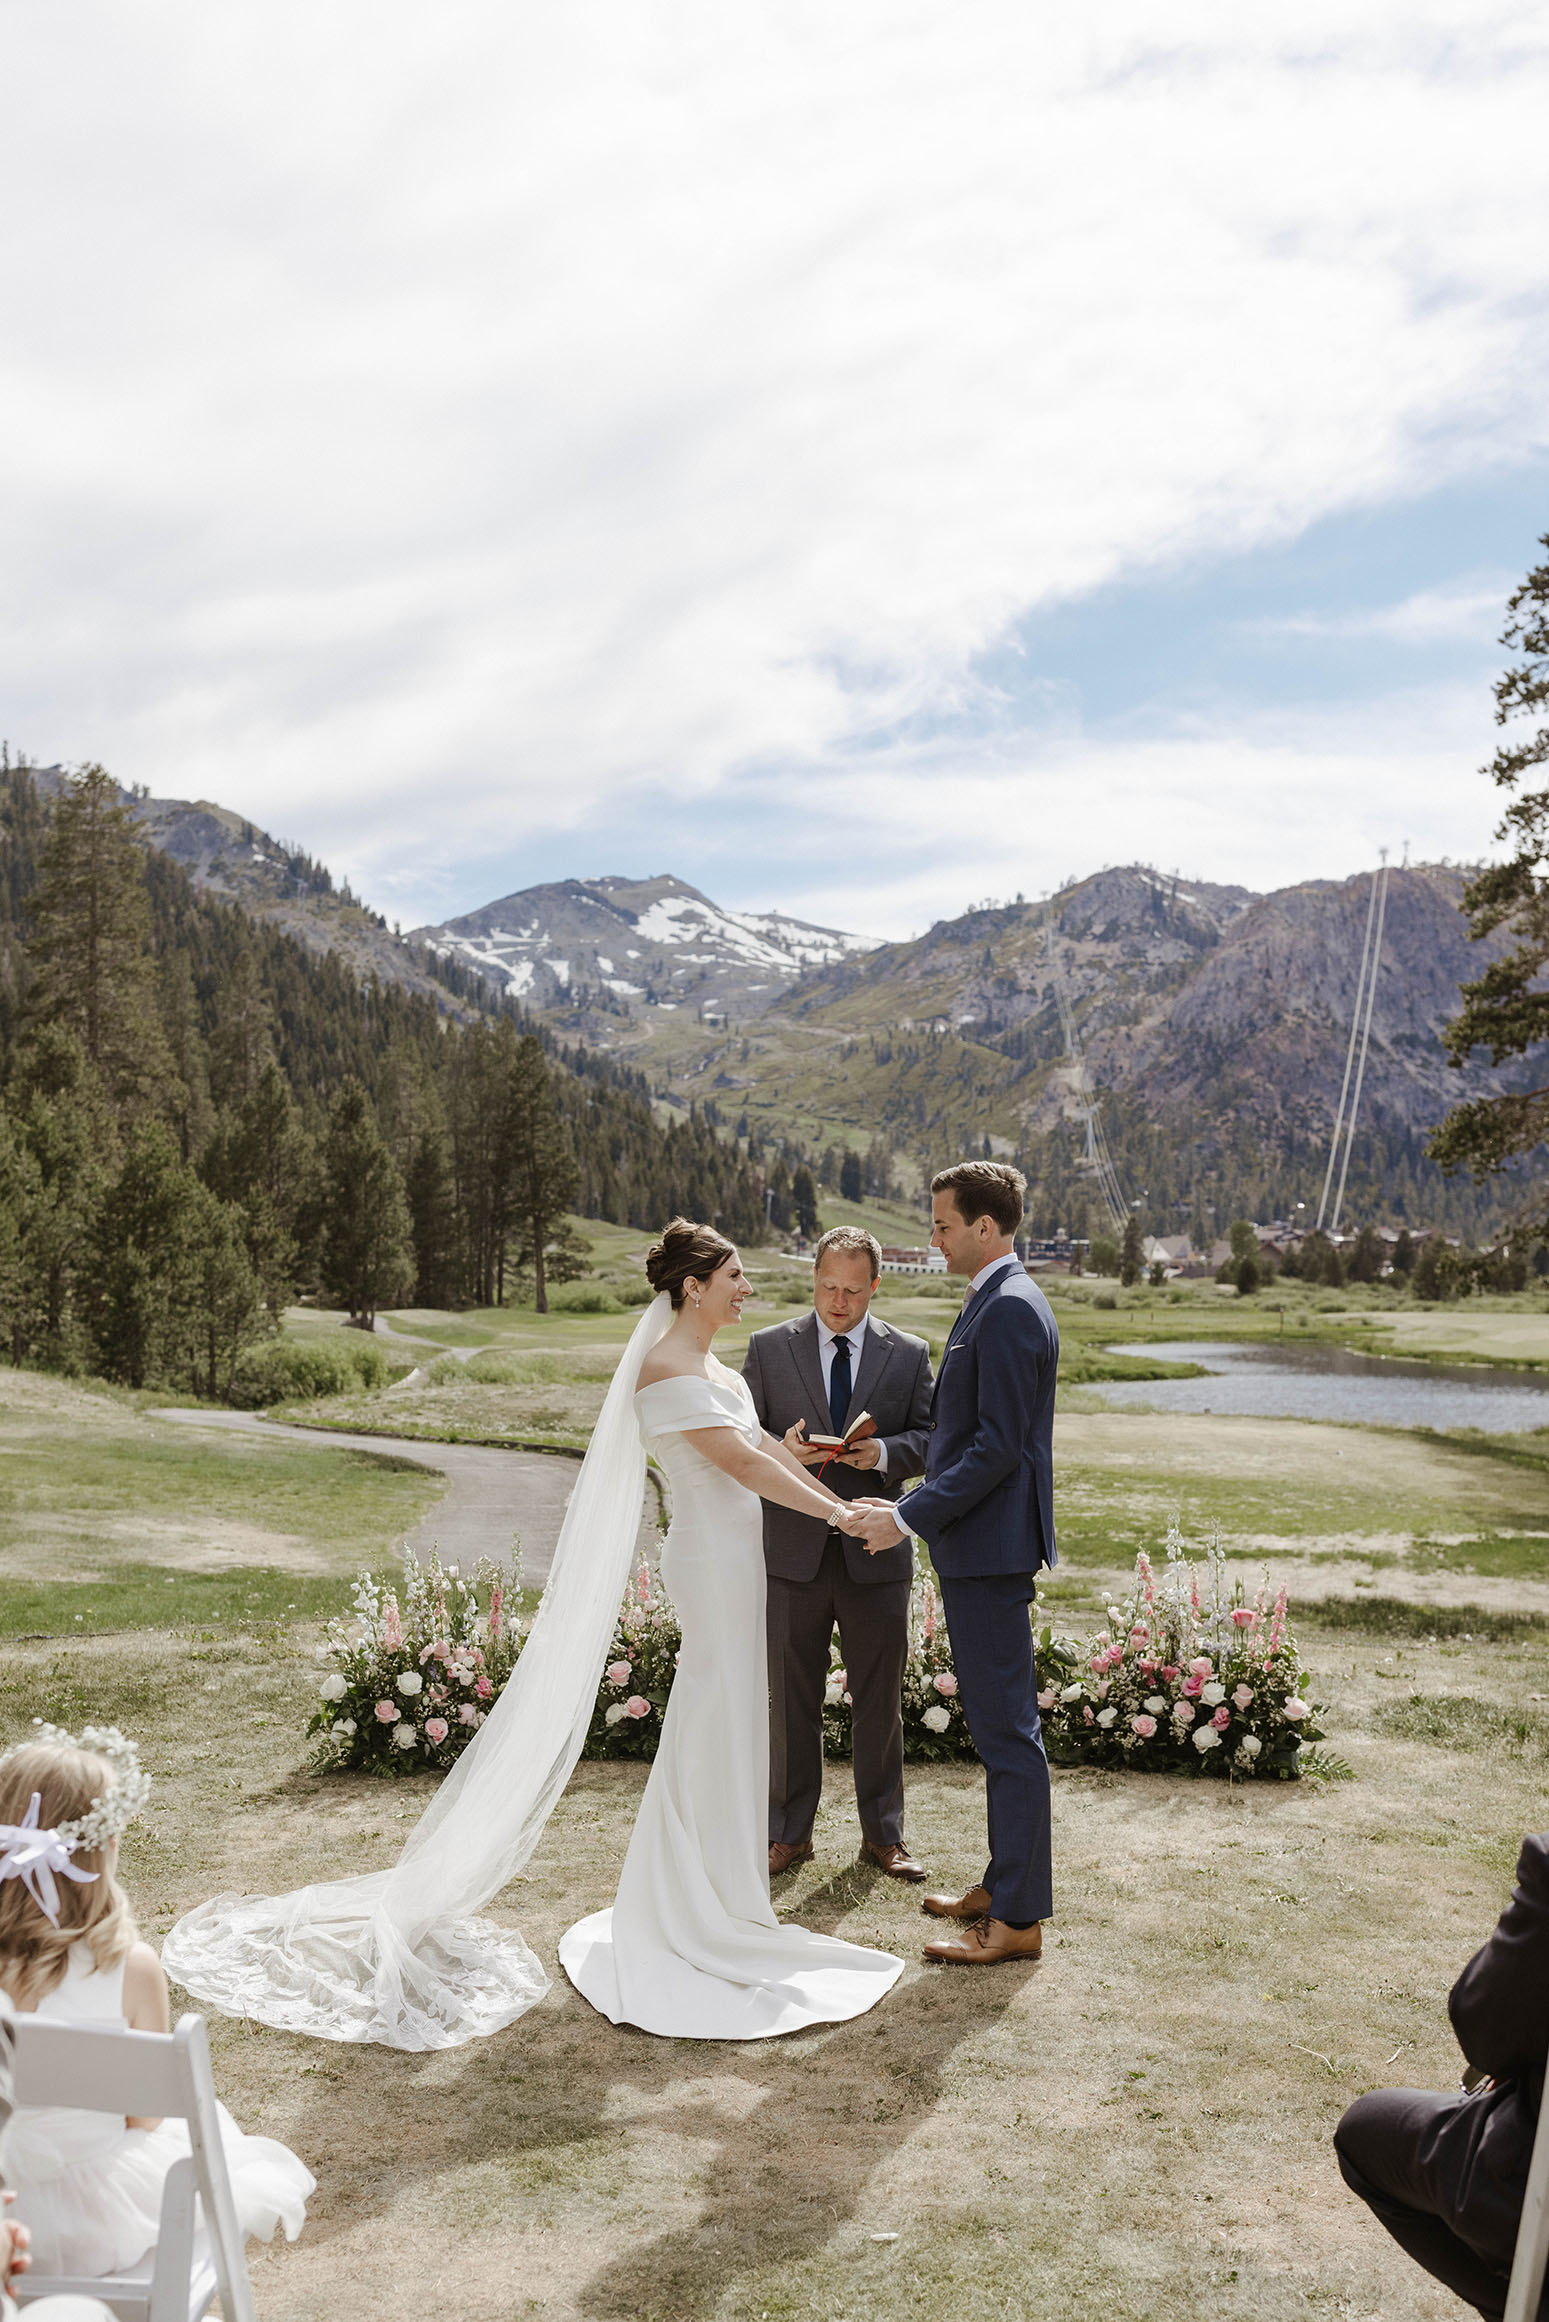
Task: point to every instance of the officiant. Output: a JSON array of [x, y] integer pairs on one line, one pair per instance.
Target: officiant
[[817, 1376]]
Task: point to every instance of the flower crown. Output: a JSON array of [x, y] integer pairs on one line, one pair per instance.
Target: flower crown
[[124, 1797]]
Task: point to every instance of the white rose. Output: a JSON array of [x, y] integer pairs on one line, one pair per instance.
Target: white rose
[[404, 1737], [938, 1719], [832, 1697], [1295, 1708], [1156, 1704], [614, 1711], [333, 1688], [1212, 1694], [1206, 1738], [1106, 1716], [344, 1726], [1071, 1692], [410, 1683], [1250, 1745]]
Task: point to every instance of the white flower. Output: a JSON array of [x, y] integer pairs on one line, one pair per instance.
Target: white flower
[[410, 1683], [333, 1688], [614, 1711], [1206, 1738], [1156, 1704], [832, 1697], [1071, 1692], [937, 1718], [1250, 1745], [344, 1726], [404, 1737], [1106, 1717], [1115, 1616], [1212, 1694], [1295, 1708]]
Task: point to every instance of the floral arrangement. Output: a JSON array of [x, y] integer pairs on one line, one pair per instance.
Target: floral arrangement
[[1184, 1679], [410, 1680]]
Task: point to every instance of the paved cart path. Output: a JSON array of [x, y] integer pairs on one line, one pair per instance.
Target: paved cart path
[[489, 1494]]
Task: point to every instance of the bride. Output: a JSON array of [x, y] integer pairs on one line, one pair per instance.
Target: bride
[[691, 1947]]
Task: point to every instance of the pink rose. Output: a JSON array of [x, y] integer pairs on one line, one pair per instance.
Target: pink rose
[[1203, 1667], [839, 1677], [946, 1683], [618, 1673], [1244, 1696], [435, 1730], [637, 1706], [388, 1712], [1221, 1720], [437, 1693], [484, 1689], [1183, 1713], [1138, 1636], [1147, 1668], [1088, 1714], [1101, 1662], [1048, 1697], [1168, 1671], [1192, 1686], [1144, 1726], [1245, 1616], [1295, 1709], [467, 1715]]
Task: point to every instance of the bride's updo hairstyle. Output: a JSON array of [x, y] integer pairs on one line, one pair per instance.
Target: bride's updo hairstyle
[[685, 1252]]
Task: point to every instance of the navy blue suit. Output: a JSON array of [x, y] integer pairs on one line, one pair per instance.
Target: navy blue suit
[[986, 1513]]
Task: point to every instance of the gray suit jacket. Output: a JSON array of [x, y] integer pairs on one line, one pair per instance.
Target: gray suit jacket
[[784, 1372]]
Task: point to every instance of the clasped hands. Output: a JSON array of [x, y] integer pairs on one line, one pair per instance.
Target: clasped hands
[[873, 1522]]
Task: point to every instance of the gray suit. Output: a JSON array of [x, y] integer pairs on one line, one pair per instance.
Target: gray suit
[[818, 1576]]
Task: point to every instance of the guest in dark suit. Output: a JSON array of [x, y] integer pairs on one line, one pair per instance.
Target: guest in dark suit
[[1446, 2174], [816, 1375], [986, 1513]]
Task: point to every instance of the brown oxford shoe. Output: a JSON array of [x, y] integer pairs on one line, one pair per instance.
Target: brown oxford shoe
[[974, 1905], [897, 1861], [986, 1943], [784, 1858]]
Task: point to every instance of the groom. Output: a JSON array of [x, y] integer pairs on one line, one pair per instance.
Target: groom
[[986, 1513]]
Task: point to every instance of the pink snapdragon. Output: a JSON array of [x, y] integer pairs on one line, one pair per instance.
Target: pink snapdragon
[[392, 1626], [436, 1730], [1143, 1725], [496, 1602]]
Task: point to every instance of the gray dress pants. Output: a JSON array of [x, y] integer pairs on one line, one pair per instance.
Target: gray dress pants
[[873, 1619]]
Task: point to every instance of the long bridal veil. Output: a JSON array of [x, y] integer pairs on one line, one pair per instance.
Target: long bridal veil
[[394, 1956]]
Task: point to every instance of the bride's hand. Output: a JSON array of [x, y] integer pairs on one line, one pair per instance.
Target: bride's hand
[[846, 1517]]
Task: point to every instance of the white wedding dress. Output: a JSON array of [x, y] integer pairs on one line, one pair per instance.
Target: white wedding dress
[[691, 1948]]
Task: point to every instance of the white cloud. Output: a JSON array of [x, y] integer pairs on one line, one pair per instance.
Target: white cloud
[[422, 428], [1429, 617]]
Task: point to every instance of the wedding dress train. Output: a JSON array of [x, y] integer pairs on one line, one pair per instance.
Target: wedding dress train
[[691, 1948]]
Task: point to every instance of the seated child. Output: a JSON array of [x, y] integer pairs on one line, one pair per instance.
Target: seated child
[[88, 2185]]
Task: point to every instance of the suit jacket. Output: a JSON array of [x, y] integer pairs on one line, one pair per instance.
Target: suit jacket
[[784, 1372], [987, 1502], [1500, 2012]]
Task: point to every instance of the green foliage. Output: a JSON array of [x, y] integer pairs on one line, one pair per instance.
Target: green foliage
[[367, 1257], [290, 1370], [1131, 1260], [1104, 1254]]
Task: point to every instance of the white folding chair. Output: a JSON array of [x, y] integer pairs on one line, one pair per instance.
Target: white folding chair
[[1532, 2251], [155, 2074]]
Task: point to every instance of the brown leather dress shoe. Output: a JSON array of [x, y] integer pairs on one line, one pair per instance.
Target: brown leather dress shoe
[[784, 1858], [973, 1905], [986, 1943], [897, 1861]]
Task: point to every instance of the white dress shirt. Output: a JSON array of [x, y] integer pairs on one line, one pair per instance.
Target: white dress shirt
[[985, 1274], [856, 1335]]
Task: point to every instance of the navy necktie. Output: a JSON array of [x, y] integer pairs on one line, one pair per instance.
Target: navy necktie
[[839, 1385]]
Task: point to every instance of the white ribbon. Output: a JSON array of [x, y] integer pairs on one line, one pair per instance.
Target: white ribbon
[[35, 1857]]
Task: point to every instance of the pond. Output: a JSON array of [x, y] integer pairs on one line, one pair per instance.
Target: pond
[[1271, 1379]]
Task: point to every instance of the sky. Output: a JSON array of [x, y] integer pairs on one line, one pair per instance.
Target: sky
[[863, 459]]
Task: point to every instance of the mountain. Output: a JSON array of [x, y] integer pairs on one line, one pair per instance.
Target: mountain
[[607, 948]]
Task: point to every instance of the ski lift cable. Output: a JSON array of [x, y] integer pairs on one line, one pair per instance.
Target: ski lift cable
[[1355, 1027], [1366, 1033]]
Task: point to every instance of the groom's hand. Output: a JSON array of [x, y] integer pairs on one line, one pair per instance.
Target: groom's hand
[[879, 1527]]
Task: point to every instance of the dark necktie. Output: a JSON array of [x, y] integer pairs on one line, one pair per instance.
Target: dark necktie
[[839, 1385]]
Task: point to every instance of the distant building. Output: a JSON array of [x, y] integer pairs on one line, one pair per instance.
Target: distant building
[[1052, 1253], [896, 1259]]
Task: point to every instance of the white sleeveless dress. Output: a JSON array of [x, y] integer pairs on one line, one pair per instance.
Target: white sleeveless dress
[[90, 2188], [692, 1949]]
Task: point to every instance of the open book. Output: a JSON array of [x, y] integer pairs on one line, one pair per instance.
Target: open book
[[856, 1432]]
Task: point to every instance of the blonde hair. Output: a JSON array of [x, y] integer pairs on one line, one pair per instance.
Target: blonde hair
[[34, 1954]]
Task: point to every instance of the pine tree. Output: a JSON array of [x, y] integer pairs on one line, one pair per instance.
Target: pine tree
[[262, 1159], [543, 1170], [1131, 1258], [367, 1255], [850, 1186], [242, 1042], [89, 957], [804, 1200]]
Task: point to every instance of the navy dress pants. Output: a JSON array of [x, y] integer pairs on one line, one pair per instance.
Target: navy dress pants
[[992, 1650]]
